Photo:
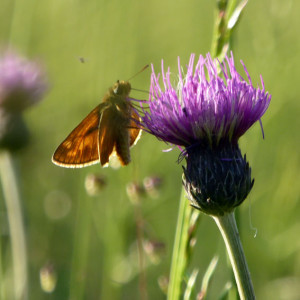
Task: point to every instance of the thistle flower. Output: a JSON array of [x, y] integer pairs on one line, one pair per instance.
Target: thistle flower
[[22, 84], [206, 114]]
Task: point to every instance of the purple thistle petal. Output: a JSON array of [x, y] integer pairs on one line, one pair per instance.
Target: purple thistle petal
[[208, 106]]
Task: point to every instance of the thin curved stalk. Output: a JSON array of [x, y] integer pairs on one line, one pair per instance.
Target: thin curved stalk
[[16, 225]]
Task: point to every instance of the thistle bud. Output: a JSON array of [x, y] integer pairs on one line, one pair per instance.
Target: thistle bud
[[217, 180]]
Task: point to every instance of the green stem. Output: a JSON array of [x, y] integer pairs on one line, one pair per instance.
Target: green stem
[[80, 248], [229, 231], [220, 29], [179, 250], [2, 284], [16, 226], [139, 235]]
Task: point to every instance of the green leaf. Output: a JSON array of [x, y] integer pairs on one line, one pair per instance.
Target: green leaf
[[190, 285], [208, 276], [179, 249], [234, 18], [225, 294]]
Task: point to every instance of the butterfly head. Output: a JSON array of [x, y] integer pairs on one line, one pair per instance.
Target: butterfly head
[[121, 88]]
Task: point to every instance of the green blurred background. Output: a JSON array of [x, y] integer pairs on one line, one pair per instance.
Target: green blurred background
[[91, 241]]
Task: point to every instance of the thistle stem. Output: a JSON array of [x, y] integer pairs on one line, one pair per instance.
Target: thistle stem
[[16, 226], [229, 231]]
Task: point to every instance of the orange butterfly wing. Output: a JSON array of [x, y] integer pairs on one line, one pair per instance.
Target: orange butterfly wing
[[81, 147], [113, 136], [118, 131], [134, 130]]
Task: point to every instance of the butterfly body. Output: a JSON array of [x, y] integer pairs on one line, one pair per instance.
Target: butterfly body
[[109, 129]]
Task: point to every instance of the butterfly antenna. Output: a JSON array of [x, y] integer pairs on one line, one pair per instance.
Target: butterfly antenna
[[138, 90], [138, 108], [140, 71]]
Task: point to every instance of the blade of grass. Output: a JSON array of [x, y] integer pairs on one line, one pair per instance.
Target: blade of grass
[[190, 285], [208, 275], [179, 261]]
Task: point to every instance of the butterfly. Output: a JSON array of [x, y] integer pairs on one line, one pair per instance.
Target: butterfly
[[109, 129]]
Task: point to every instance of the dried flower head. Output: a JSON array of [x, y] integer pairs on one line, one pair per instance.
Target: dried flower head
[[152, 185], [94, 184], [206, 113], [135, 191], [48, 278]]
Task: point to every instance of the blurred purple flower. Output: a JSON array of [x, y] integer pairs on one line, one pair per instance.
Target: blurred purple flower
[[205, 107], [22, 82], [206, 113]]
